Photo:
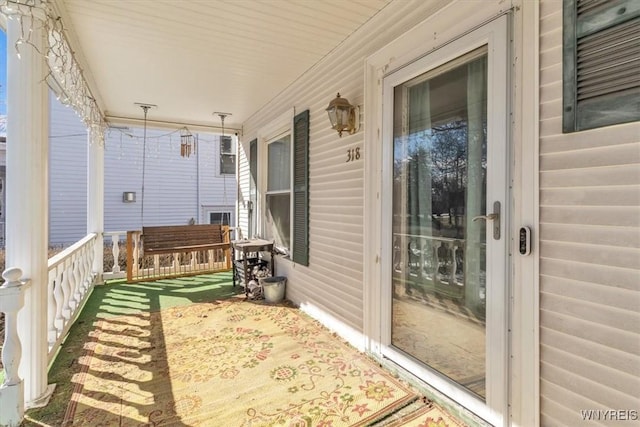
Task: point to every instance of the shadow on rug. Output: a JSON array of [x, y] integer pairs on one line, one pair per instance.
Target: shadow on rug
[[227, 363]]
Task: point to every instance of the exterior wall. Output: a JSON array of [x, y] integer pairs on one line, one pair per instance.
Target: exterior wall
[[67, 175], [177, 188], [590, 253], [589, 232], [331, 287]]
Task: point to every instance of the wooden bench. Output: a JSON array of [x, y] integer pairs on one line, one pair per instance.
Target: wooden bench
[[177, 250], [167, 239]]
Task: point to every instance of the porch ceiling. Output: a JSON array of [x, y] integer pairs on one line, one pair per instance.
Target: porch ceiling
[[194, 57]]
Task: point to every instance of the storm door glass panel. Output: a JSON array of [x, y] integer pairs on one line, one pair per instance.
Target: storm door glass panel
[[439, 186]]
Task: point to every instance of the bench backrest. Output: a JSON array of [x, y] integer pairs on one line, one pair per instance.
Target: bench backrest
[[176, 238]]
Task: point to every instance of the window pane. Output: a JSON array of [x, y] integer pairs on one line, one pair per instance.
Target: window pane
[[226, 145], [279, 167], [221, 218], [278, 224], [228, 163]]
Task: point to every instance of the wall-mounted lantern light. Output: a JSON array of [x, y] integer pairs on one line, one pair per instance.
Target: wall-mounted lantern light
[[343, 116], [129, 197]]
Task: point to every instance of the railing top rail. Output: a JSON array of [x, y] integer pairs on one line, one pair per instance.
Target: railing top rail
[[58, 258], [114, 233]]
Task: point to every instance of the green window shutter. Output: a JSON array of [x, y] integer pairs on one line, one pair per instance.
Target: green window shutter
[[601, 63], [253, 180], [300, 252]]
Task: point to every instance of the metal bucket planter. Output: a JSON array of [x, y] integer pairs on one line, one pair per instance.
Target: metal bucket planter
[[273, 288]]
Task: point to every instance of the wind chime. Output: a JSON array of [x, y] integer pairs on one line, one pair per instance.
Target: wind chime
[[187, 143]]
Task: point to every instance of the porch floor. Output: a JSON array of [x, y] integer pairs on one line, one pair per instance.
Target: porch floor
[[111, 303]]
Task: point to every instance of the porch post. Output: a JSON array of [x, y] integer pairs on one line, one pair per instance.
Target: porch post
[[27, 195], [95, 195]]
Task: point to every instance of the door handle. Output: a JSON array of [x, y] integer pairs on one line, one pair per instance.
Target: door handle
[[490, 217], [494, 217]]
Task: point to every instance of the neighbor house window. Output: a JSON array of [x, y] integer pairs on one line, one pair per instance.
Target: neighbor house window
[[227, 155], [222, 218], [601, 64]]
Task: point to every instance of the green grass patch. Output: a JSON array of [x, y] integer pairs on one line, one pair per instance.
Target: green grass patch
[[116, 299]]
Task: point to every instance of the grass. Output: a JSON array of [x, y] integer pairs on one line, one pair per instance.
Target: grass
[[114, 299]]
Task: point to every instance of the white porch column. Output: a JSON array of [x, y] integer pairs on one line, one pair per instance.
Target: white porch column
[[27, 197], [95, 194]]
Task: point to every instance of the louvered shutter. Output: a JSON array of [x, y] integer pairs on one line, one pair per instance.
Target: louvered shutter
[[253, 192], [601, 64], [300, 252]]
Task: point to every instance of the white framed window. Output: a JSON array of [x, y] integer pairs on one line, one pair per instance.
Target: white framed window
[[278, 191], [275, 182], [227, 156], [283, 203], [222, 218], [218, 214]]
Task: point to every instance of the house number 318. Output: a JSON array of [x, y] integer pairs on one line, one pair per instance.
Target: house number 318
[[353, 154]]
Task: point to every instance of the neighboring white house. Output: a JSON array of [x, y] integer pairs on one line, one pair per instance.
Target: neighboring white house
[[461, 236], [200, 188]]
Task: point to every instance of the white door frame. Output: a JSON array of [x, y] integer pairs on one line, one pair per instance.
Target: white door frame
[[403, 52]]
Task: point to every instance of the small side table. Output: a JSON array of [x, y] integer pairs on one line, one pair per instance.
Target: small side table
[[250, 256]]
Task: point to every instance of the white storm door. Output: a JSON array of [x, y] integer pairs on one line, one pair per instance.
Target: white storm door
[[444, 275]]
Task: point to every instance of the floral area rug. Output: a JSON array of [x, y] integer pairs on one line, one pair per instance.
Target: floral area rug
[[430, 415], [227, 363]]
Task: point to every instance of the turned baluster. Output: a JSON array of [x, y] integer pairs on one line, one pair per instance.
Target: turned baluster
[[58, 294], [77, 281], [136, 254], [435, 244], [454, 262], [12, 389], [89, 253], [82, 273], [115, 250], [52, 333], [91, 256], [67, 285], [422, 242]]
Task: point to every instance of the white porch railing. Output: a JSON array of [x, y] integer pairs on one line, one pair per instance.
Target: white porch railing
[[438, 259], [433, 263], [71, 280]]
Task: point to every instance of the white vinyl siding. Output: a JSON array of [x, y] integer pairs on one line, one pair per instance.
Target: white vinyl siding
[[590, 254], [171, 181], [332, 282], [67, 175]]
